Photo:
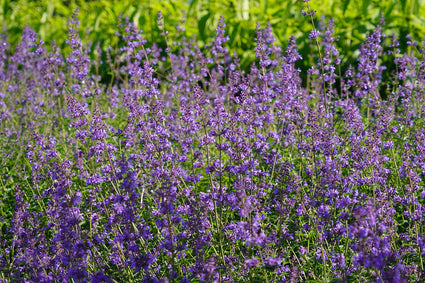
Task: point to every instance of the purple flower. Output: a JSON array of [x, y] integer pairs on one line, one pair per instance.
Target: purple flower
[[314, 34], [253, 262]]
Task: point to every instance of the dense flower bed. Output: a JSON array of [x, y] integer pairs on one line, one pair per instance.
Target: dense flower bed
[[183, 167]]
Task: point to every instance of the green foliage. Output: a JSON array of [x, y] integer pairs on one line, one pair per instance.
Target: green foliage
[[354, 19]]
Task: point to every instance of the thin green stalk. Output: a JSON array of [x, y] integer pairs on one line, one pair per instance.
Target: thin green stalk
[[321, 59]]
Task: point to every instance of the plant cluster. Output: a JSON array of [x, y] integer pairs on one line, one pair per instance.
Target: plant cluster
[[184, 167]]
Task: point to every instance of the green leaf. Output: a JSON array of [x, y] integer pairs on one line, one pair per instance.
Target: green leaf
[[388, 12], [365, 7], [403, 5], [345, 4], [264, 5], [6, 8], [234, 35], [201, 25], [193, 5]]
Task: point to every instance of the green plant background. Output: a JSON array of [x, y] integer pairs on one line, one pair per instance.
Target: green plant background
[[98, 20]]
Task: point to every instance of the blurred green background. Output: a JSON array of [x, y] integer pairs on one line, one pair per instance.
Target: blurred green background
[[353, 20]]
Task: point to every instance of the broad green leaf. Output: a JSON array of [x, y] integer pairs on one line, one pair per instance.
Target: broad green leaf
[[192, 6], [365, 6], [234, 35], [345, 4], [264, 6], [201, 25], [6, 8], [403, 5]]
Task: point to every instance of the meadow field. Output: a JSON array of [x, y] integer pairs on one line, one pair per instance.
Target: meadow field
[[174, 154]]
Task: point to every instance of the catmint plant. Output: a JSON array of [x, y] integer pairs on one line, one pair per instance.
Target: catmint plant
[[181, 166]]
